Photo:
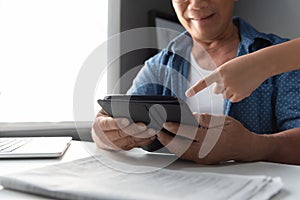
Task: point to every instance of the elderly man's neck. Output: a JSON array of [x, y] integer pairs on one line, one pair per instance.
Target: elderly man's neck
[[220, 50]]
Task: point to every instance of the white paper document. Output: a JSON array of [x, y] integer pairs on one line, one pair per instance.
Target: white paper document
[[89, 178]]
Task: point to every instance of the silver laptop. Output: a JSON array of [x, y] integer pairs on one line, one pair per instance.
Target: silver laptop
[[33, 147]]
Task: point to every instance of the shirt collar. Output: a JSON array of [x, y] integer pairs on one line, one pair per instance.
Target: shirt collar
[[248, 34]]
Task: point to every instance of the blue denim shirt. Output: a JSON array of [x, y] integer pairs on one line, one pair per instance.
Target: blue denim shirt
[[271, 108]]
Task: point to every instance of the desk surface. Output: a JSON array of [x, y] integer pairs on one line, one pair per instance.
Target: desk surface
[[290, 174]]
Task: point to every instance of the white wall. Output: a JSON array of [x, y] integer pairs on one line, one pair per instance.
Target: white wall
[[281, 17]]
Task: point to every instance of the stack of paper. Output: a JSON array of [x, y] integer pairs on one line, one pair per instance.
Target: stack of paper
[[89, 178]]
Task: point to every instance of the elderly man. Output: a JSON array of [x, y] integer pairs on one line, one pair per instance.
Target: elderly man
[[267, 120]]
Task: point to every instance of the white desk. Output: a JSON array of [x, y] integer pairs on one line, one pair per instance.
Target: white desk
[[290, 174]]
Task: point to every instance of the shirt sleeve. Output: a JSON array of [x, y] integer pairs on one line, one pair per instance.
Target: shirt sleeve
[[150, 80], [143, 82]]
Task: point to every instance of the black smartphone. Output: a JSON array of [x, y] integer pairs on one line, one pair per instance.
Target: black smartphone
[[151, 110]]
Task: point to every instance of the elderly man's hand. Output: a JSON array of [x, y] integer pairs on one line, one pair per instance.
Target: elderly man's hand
[[118, 134], [217, 139]]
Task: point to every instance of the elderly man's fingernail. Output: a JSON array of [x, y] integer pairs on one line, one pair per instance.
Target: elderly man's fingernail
[[142, 127], [151, 131], [123, 122], [167, 125]]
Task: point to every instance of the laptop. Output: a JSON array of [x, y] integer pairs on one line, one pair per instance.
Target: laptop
[[33, 147]]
